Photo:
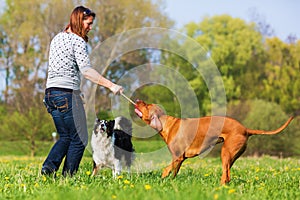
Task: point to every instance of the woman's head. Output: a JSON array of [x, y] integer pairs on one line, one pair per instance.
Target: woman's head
[[81, 21]]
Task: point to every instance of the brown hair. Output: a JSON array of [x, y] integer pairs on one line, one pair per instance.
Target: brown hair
[[77, 17]]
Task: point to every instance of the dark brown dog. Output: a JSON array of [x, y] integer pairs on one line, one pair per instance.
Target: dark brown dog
[[187, 138]]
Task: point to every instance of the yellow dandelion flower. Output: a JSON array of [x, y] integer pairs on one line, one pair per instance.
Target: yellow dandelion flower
[[147, 187], [119, 177], [88, 173], [44, 178], [218, 188], [216, 196], [6, 178], [113, 196], [286, 168], [23, 186], [131, 186], [225, 186], [36, 185], [231, 191], [256, 178], [206, 175], [126, 181]]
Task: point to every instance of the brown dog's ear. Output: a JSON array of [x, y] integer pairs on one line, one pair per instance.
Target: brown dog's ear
[[155, 123], [156, 110], [155, 113]]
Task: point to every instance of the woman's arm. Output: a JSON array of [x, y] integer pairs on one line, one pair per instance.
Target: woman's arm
[[95, 77]]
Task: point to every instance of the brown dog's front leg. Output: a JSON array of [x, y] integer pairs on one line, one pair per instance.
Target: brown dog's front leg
[[167, 171], [175, 166]]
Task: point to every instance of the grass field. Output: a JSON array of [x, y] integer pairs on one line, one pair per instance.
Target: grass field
[[252, 178]]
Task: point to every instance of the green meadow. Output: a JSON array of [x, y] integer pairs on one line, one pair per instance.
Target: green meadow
[[199, 178]]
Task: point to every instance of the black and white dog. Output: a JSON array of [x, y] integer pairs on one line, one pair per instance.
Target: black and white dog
[[111, 144]]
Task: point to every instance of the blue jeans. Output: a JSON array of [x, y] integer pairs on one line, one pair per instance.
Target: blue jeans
[[68, 114]]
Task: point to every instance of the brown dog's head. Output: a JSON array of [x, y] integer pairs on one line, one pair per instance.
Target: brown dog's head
[[149, 113]]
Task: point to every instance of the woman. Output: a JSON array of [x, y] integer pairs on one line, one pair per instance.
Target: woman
[[68, 59]]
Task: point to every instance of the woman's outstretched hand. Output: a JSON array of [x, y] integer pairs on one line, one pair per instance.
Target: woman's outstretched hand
[[116, 89]]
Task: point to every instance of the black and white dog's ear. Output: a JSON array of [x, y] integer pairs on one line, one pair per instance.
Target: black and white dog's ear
[[110, 127], [111, 123], [97, 120], [96, 129]]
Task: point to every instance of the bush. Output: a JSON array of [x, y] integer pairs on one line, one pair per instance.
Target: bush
[[269, 116], [33, 125]]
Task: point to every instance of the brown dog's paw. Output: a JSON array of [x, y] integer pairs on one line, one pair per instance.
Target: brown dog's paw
[[164, 175], [166, 172]]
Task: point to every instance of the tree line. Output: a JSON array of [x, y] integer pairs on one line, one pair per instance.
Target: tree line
[[259, 71]]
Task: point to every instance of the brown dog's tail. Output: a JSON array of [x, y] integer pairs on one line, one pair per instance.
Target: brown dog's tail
[[262, 132]]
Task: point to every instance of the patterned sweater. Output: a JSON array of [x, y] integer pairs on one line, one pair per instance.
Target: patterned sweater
[[68, 58]]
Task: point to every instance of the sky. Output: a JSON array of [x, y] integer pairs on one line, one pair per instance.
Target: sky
[[282, 15]]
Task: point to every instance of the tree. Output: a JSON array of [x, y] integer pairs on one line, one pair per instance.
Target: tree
[[251, 67], [234, 46], [27, 29], [114, 18], [5, 58], [282, 77]]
